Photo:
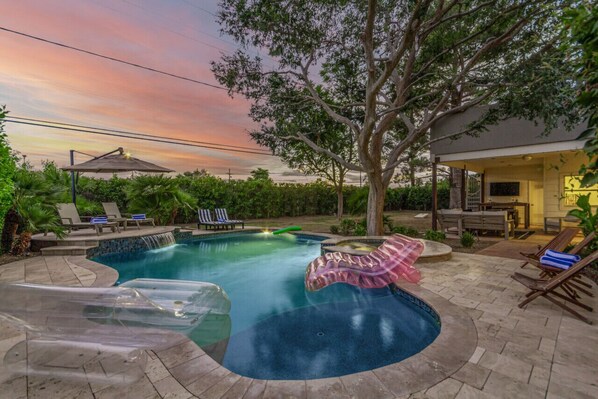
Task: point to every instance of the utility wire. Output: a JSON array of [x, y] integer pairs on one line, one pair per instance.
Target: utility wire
[[113, 59], [266, 152], [128, 136]]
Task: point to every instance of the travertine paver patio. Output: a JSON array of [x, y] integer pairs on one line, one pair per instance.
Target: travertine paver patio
[[537, 352]]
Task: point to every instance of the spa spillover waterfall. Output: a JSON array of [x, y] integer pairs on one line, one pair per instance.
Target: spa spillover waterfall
[[159, 240]]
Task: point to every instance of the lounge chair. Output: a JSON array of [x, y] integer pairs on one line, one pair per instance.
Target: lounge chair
[[558, 243], [222, 216], [548, 288], [69, 218], [205, 219], [576, 284], [114, 215]]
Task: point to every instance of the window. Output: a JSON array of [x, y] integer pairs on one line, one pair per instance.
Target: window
[[572, 191]]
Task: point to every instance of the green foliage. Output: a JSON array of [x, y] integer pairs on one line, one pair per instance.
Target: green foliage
[[360, 230], [417, 197], [406, 231], [582, 23], [588, 219], [7, 170], [260, 174], [467, 239], [100, 190], [33, 204], [40, 218], [158, 196], [433, 235], [358, 201], [347, 227], [334, 229]]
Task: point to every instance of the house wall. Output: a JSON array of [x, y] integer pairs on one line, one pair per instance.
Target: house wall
[[556, 167], [531, 183]]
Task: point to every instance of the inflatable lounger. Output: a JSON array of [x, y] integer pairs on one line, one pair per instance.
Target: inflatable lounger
[[392, 260], [100, 334]]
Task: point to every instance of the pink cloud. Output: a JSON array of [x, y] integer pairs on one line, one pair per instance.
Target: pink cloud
[[45, 81]]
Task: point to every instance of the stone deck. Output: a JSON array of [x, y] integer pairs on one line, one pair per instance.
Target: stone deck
[[538, 352]]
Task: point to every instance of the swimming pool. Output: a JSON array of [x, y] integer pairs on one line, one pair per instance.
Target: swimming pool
[[276, 329]]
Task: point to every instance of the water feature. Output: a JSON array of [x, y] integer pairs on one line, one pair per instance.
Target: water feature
[[159, 240]]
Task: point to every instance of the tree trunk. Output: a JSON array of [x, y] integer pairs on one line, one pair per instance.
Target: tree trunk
[[339, 203], [9, 229], [376, 205], [412, 175], [455, 191], [21, 244]]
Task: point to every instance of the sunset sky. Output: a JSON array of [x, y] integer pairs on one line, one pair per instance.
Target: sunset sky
[[43, 81]]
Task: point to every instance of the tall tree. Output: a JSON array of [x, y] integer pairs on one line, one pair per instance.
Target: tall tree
[[402, 61], [282, 122]]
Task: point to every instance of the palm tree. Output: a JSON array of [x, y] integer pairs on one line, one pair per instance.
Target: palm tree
[[32, 209], [158, 196], [37, 218]]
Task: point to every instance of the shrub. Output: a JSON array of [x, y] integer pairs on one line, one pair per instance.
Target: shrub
[[334, 229], [357, 202], [406, 231], [347, 226], [433, 235], [467, 240], [7, 170], [360, 230]]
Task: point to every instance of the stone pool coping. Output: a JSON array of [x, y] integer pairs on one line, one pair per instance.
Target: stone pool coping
[[433, 251], [186, 368]]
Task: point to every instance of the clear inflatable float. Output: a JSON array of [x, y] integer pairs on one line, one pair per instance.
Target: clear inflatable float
[[392, 260], [99, 335]]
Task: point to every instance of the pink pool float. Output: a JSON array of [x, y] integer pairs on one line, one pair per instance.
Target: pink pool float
[[392, 260]]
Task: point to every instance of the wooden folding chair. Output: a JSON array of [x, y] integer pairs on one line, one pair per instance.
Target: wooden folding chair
[[558, 243], [576, 283], [548, 288]]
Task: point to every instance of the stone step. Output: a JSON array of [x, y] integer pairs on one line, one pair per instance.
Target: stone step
[[77, 243], [65, 250]]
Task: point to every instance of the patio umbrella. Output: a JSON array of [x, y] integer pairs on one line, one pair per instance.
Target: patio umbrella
[[112, 162]]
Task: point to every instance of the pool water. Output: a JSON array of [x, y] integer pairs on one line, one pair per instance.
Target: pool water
[[276, 329]]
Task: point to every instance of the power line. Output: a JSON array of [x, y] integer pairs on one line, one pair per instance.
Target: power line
[[266, 152], [172, 75], [156, 140]]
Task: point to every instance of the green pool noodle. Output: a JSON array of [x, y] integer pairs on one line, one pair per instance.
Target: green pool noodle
[[286, 229]]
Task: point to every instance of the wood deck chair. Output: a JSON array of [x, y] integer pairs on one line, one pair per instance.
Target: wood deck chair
[[548, 288], [576, 283], [558, 243], [114, 215], [69, 218]]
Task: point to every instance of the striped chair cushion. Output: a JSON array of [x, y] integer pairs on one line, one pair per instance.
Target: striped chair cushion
[[139, 216], [204, 216]]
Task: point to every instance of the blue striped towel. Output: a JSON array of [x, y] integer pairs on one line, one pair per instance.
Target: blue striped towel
[[563, 256], [99, 220], [138, 216], [220, 220]]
